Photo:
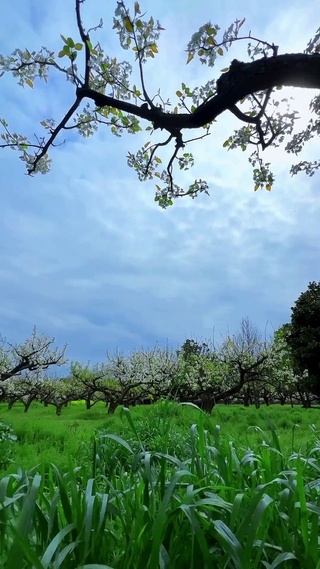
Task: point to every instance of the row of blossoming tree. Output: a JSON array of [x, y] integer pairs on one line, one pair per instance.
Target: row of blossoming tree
[[244, 368]]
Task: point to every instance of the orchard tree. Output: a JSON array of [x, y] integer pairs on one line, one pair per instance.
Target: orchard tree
[[207, 376], [200, 375], [245, 353], [143, 376], [304, 335], [87, 380], [104, 94], [60, 392], [282, 381], [36, 354], [25, 388]]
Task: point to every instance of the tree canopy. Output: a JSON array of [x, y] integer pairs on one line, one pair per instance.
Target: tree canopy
[[33, 356], [104, 94], [304, 334]]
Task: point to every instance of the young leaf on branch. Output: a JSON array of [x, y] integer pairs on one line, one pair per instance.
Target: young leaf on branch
[[246, 89]]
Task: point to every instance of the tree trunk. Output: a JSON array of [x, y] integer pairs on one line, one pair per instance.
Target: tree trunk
[[247, 397], [207, 402], [266, 398], [305, 399], [11, 403], [112, 407], [28, 403]]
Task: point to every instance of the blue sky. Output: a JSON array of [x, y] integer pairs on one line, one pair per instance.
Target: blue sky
[[88, 257]]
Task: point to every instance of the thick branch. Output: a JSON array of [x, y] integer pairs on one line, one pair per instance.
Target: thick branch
[[243, 79], [85, 38]]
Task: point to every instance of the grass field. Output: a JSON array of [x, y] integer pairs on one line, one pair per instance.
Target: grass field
[[162, 487], [42, 436]]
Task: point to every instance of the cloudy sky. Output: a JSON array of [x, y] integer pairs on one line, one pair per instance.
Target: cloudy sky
[[88, 257]]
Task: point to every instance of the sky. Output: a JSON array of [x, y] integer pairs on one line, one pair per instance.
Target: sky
[[88, 257]]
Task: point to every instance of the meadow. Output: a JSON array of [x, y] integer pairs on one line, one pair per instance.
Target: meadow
[[161, 486]]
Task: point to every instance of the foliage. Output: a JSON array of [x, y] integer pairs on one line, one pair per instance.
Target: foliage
[[221, 505], [7, 441], [304, 334], [115, 101]]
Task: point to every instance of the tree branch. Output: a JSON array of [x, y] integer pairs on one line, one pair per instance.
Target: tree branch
[[243, 79], [54, 135], [85, 38]]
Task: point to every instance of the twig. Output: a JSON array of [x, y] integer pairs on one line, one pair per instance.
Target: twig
[[54, 134]]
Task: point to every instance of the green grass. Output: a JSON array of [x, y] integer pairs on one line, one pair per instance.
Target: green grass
[[230, 497], [42, 436]]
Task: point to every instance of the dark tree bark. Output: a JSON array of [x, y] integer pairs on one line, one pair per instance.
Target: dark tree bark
[[28, 402], [243, 79], [112, 407]]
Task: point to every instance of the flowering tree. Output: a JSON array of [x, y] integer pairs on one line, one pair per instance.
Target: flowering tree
[[200, 376], [143, 377], [281, 381], [246, 355], [36, 354], [105, 95], [25, 388], [59, 392], [87, 381]]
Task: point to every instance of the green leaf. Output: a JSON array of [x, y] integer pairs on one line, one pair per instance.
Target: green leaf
[[70, 42], [78, 46], [54, 545], [128, 24]]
